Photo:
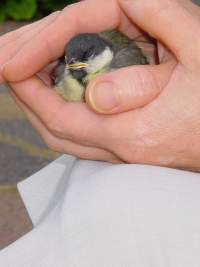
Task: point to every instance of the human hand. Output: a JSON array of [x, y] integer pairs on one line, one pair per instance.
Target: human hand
[[165, 132], [147, 135], [25, 52]]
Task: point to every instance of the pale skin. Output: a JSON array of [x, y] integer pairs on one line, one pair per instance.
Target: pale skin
[[156, 117]]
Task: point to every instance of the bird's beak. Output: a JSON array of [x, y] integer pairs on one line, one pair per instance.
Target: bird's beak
[[77, 66]]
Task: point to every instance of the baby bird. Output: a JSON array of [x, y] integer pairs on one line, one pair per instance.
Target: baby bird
[[89, 55]]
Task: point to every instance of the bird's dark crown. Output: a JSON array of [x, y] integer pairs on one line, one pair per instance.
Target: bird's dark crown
[[83, 47]]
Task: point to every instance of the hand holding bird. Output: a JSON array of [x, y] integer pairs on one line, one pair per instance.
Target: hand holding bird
[[151, 111], [90, 55]]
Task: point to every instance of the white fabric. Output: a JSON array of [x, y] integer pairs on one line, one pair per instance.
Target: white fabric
[[95, 214]]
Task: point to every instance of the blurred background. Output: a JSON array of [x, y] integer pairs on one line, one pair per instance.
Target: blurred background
[[22, 152], [29, 9]]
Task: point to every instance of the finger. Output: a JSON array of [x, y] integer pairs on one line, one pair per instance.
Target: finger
[[63, 119], [167, 21], [9, 37], [14, 34], [128, 88], [49, 44], [163, 53], [8, 49], [65, 146], [16, 40], [128, 28]]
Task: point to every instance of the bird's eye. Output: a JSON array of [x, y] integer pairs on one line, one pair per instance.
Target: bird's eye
[[90, 53]]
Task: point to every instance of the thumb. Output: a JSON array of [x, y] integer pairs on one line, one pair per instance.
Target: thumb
[[128, 88]]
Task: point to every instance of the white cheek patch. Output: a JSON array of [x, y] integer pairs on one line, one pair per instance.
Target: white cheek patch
[[100, 61]]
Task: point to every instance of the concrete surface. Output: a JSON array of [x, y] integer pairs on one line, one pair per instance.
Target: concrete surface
[[22, 152], [14, 220]]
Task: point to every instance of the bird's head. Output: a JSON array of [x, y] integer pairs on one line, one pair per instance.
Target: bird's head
[[87, 54]]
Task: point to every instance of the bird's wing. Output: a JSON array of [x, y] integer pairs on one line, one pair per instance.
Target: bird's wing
[[127, 52], [131, 52], [118, 39]]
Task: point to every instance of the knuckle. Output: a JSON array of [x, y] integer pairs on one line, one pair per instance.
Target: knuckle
[[140, 84], [52, 144], [151, 85], [55, 121], [147, 80], [55, 127], [85, 156]]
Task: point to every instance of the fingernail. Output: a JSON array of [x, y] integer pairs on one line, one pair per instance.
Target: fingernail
[[103, 97]]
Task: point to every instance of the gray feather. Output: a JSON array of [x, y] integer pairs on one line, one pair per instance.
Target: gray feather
[[127, 53]]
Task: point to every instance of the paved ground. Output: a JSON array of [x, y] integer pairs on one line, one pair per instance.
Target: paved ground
[[22, 153], [21, 150], [14, 220]]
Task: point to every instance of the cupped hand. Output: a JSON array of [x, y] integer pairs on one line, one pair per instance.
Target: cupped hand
[[165, 132]]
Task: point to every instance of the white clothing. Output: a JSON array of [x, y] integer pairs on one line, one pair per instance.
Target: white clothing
[[95, 214]]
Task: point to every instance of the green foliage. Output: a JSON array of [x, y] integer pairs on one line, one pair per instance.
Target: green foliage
[[29, 9], [53, 5], [2, 14], [21, 10]]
